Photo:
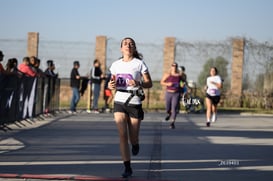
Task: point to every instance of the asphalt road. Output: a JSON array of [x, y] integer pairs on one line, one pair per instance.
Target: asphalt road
[[86, 147]]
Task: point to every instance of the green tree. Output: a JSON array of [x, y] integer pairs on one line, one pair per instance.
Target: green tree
[[220, 63], [259, 82], [268, 76], [246, 82]]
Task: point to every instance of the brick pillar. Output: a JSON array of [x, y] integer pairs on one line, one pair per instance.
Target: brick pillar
[[100, 51], [169, 53], [169, 58], [33, 44], [100, 54], [237, 71]]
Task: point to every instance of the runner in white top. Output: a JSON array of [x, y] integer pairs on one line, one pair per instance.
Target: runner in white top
[[124, 73], [214, 83], [128, 74]]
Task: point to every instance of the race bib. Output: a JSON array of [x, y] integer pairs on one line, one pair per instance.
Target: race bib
[[212, 91], [123, 79]]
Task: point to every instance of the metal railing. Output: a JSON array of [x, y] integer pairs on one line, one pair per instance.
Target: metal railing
[[23, 97]]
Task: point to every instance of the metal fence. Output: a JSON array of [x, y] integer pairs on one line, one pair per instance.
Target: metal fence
[[194, 55], [257, 70], [257, 61]]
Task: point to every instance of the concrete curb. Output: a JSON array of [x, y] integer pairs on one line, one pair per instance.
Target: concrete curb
[[255, 114], [65, 177]]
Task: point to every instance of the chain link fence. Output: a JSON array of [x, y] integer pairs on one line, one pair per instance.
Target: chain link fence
[[257, 70]]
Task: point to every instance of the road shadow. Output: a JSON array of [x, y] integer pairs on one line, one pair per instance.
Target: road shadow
[[194, 152]]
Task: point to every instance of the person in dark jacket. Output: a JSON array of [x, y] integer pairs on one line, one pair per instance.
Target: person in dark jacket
[[49, 72], [1, 59], [96, 78], [75, 81], [49, 84]]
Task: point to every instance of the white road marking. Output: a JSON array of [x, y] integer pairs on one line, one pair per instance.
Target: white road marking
[[10, 144]]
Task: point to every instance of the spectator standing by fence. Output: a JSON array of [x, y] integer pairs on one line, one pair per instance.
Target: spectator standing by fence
[[49, 72], [1, 59], [25, 68], [108, 95], [75, 81], [183, 84], [11, 65], [33, 64], [49, 84], [2, 70], [96, 79], [127, 76], [39, 71]]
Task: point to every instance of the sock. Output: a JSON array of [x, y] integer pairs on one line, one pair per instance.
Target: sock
[[135, 149], [213, 118], [127, 165]]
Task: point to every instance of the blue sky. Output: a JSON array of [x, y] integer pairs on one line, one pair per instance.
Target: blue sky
[[144, 20]]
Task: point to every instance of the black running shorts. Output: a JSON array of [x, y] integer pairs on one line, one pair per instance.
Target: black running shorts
[[214, 99], [135, 111]]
